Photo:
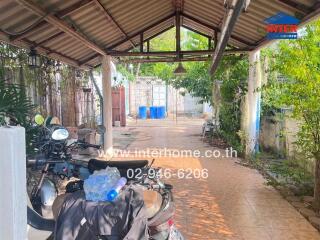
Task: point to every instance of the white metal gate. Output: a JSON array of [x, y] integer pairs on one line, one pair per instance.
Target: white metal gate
[[159, 95]]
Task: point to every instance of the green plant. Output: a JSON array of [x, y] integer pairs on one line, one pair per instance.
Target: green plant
[[292, 175], [16, 108], [14, 104], [299, 62], [233, 73]]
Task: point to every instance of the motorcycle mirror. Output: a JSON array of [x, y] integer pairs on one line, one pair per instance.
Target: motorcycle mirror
[[39, 120], [101, 129]]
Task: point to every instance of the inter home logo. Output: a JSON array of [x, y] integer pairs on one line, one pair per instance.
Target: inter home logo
[[282, 26]]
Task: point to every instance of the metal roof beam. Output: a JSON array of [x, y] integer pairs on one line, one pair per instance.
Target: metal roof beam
[[297, 6], [178, 5], [315, 14], [49, 39], [25, 43], [153, 36], [60, 24], [30, 30], [73, 8], [229, 22], [63, 13], [157, 60], [111, 19], [141, 31], [238, 39], [52, 52], [196, 31], [88, 59], [171, 53], [174, 59]]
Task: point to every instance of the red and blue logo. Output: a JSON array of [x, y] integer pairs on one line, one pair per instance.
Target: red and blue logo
[[282, 26]]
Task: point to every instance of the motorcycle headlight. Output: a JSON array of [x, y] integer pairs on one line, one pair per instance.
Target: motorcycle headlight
[[60, 134]]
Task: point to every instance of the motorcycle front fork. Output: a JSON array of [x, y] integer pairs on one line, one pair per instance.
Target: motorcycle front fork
[[36, 189]]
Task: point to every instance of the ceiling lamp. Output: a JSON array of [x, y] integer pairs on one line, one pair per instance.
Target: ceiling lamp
[[180, 70], [58, 66], [78, 73], [33, 59]]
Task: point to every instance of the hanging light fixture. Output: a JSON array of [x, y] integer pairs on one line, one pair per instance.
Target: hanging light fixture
[[180, 70], [58, 66], [33, 59], [49, 65], [49, 62], [78, 73]]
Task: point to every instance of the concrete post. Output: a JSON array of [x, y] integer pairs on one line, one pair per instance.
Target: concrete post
[[107, 104], [251, 107], [13, 197]]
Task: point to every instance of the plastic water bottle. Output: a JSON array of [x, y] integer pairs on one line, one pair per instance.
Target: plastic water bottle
[[97, 186], [114, 192]]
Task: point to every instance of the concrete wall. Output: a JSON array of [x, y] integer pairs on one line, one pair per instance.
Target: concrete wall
[[278, 135], [270, 135]]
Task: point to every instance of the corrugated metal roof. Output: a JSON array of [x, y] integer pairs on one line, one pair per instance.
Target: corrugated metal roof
[[118, 23]]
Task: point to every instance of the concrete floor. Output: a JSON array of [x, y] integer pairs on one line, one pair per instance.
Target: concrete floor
[[232, 203]]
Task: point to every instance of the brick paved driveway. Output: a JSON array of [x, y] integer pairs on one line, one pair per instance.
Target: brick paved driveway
[[232, 203]]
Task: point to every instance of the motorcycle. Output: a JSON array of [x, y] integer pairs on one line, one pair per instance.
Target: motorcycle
[[54, 171]]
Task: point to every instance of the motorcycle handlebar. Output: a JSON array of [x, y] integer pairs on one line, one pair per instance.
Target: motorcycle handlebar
[[93, 146], [39, 161], [36, 162], [87, 145]]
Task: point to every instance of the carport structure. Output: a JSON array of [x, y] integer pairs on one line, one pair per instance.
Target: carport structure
[[89, 33]]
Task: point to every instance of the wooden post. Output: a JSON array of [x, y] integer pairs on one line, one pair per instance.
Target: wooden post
[[107, 104], [13, 200]]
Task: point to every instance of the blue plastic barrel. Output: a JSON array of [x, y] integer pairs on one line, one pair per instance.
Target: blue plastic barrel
[[153, 112], [143, 112], [161, 112]]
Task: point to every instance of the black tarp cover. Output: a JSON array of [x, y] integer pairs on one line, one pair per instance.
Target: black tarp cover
[[124, 218]]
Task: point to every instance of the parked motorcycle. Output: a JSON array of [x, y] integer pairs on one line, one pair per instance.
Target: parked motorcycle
[[53, 166]]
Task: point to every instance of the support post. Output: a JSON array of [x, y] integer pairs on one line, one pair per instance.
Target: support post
[[215, 39], [251, 106], [107, 104], [141, 42], [100, 100], [178, 48], [148, 47], [13, 200]]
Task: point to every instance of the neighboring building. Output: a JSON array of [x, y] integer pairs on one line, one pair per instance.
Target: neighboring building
[[152, 91]]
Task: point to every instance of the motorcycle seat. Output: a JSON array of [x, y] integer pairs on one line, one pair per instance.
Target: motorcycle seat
[[123, 166]]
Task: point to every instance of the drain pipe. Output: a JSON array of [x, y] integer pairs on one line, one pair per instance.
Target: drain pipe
[[100, 100]]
